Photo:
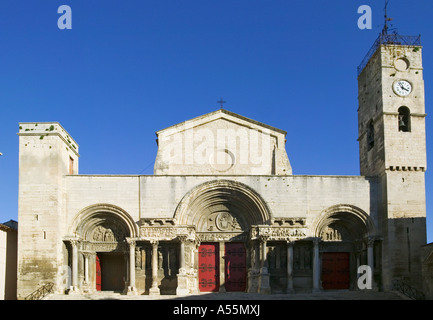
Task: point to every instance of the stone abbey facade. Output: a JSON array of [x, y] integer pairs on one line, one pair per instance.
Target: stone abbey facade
[[223, 211]]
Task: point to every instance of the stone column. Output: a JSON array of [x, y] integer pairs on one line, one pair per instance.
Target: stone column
[[87, 285], [221, 267], [370, 259], [316, 265], [182, 253], [131, 288], [193, 277], [154, 290], [182, 277], [86, 267], [126, 259], [264, 283], [370, 256], [74, 286], [290, 267], [253, 273], [263, 261]]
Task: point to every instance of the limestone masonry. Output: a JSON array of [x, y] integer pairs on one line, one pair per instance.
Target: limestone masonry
[[223, 211]]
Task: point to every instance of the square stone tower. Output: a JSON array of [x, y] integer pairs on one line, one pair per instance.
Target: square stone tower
[[392, 146], [46, 154]]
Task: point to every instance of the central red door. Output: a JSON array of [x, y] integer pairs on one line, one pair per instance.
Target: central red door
[[235, 267], [335, 270], [208, 271]]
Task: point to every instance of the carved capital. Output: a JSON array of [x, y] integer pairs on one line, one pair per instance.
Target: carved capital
[[263, 238], [88, 254], [131, 242], [182, 238], [75, 242], [370, 241], [316, 240], [197, 242]]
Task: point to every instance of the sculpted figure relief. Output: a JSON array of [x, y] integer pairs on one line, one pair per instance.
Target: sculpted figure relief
[[226, 222], [108, 234]]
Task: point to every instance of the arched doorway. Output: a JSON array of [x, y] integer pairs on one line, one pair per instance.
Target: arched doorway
[[344, 232], [102, 252], [222, 212]]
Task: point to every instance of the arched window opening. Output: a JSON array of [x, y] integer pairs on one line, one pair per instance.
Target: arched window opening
[[404, 119]]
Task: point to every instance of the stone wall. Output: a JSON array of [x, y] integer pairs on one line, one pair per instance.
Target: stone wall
[[159, 196]]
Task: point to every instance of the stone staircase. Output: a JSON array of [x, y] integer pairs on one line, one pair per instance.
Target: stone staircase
[[323, 295]]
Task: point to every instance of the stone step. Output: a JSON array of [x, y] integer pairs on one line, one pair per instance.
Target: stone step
[[323, 295]]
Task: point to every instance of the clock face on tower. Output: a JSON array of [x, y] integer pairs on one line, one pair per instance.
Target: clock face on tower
[[402, 88]]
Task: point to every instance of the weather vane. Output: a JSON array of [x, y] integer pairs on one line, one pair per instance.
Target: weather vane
[[221, 102], [385, 27]]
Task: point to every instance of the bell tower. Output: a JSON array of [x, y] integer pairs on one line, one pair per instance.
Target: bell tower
[[392, 148]]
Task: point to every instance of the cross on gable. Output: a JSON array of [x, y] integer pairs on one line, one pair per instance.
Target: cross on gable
[[221, 102]]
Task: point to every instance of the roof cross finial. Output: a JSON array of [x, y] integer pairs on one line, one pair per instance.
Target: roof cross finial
[[221, 102]]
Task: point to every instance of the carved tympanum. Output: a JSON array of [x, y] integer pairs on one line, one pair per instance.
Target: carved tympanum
[[108, 233], [226, 222]]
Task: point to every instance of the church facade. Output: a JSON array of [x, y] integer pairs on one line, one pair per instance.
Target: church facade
[[223, 211]]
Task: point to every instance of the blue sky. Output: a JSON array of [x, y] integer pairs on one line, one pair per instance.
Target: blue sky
[[127, 69]]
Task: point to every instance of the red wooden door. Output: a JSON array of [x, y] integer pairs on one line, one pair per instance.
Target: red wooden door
[[235, 267], [98, 274], [208, 271], [335, 270]]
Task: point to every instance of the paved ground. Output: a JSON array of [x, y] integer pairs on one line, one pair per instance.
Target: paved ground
[[326, 295]]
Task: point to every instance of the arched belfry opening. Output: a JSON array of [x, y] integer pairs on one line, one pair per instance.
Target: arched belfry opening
[[404, 121], [347, 237]]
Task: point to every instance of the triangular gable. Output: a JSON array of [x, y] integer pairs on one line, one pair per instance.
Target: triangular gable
[[222, 142], [219, 114]]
